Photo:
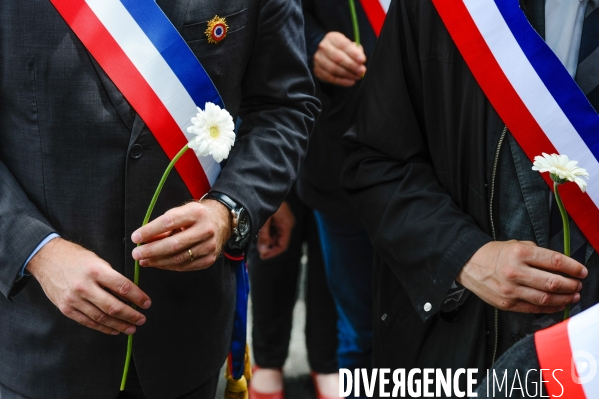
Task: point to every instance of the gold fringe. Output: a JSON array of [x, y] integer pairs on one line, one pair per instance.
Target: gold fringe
[[238, 389]]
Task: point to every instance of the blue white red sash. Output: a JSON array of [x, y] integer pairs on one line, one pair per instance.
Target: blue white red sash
[[150, 63], [569, 354], [376, 11], [532, 92]]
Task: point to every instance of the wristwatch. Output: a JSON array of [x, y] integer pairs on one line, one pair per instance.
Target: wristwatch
[[241, 222]]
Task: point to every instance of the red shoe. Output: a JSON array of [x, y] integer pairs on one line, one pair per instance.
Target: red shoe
[[260, 395], [319, 395]]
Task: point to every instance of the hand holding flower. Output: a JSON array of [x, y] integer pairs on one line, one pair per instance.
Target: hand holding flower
[[202, 227]]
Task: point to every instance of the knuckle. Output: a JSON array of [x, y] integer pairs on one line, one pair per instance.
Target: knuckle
[[545, 299], [100, 317], [554, 283], [175, 244], [505, 304], [66, 310], [557, 260], [113, 310], [168, 221], [179, 259], [124, 288], [518, 250], [510, 272]]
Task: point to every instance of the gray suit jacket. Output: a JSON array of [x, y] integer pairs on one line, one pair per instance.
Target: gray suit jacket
[[65, 166]]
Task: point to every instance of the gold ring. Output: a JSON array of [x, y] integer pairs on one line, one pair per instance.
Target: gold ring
[[190, 255]]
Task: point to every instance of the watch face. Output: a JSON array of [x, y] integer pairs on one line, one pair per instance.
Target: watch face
[[244, 224]]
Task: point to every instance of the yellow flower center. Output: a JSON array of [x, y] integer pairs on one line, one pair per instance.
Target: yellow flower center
[[214, 131]]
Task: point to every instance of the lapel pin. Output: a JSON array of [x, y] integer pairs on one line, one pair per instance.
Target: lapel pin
[[216, 30]]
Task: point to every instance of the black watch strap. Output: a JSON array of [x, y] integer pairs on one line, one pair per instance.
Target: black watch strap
[[239, 240]]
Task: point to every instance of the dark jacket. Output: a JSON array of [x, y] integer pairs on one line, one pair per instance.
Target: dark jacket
[[421, 166], [66, 134], [318, 185]]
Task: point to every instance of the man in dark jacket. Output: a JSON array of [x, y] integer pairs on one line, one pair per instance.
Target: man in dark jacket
[[338, 65], [78, 161], [450, 201]]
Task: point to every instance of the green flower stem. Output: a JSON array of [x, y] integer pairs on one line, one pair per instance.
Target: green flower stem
[[354, 21], [566, 224], [136, 271]]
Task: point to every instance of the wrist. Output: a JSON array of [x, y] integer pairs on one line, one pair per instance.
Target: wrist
[[223, 216]]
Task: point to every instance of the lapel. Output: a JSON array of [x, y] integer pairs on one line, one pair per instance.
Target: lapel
[[535, 12], [175, 10]]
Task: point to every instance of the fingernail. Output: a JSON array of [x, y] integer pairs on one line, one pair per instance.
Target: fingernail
[[576, 298], [140, 322], [136, 237], [136, 254], [115, 333], [579, 286], [584, 273], [130, 330], [142, 262], [146, 304]]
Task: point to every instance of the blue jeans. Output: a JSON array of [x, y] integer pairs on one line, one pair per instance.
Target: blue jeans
[[348, 253]]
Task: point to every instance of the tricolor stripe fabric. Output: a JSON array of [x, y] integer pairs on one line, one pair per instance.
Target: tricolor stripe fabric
[[150, 63], [568, 353], [376, 11], [532, 92]]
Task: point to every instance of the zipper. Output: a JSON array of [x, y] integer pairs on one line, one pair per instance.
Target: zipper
[[493, 176]]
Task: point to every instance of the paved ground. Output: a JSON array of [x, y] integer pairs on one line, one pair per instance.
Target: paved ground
[[298, 383]]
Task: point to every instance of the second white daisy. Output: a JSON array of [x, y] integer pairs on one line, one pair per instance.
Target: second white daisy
[[561, 169]]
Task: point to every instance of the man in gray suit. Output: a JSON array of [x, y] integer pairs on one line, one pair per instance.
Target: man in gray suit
[[78, 168]]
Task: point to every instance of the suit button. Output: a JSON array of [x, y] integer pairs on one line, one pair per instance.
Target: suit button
[[427, 307], [136, 151]]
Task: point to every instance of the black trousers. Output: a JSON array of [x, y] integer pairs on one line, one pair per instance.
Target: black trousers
[[274, 290]]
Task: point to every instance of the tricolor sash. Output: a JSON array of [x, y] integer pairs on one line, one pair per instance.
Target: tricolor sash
[[375, 11], [150, 63], [532, 92], [571, 346]]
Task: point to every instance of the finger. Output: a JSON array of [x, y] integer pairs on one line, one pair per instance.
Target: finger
[[85, 321], [124, 288], [338, 63], [553, 261], [182, 258], [114, 308], [160, 236], [264, 238], [199, 263], [175, 218], [174, 244], [356, 52], [526, 307], [101, 317], [284, 238], [276, 250], [325, 76], [548, 282], [546, 299]]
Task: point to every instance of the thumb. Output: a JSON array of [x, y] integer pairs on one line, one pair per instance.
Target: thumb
[[264, 239]]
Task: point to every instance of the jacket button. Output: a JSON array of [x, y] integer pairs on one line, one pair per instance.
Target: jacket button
[[428, 307], [136, 151]]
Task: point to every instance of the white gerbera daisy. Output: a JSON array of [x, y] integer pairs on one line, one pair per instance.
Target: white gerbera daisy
[[561, 169], [214, 130]]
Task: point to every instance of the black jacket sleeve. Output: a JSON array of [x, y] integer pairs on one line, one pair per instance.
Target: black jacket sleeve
[[413, 222], [278, 111]]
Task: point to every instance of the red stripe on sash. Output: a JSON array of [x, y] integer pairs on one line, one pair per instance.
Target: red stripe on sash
[[511, 108], [554, 352], [135, 88], [375, 14]]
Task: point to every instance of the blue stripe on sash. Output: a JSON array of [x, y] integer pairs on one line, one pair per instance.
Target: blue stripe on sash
[[177, 54], [554, 75]]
